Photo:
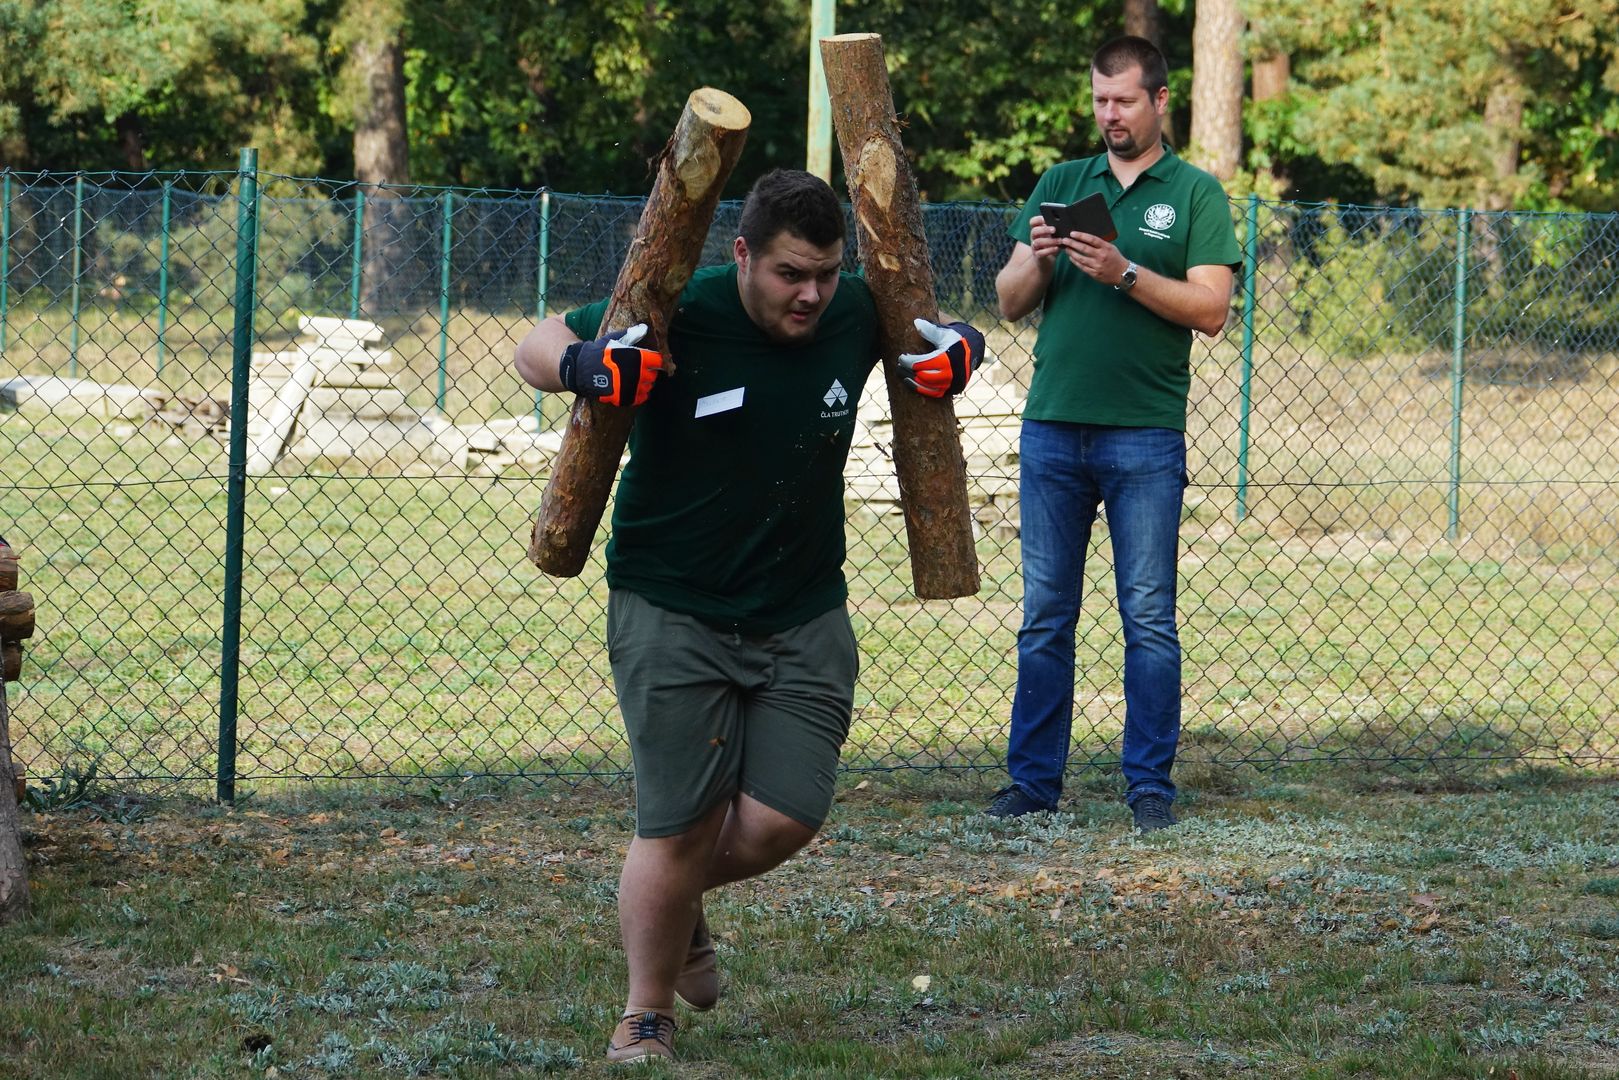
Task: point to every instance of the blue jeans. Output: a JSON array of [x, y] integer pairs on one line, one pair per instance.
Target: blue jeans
[[1139, 475]]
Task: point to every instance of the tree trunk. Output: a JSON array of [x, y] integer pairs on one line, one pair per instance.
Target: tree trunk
[[894, 253], [13, 870], [130, 141], [381, 156], [1141, 19], [1216, 143], [691, 171], [1271, 75], [1503, 116]]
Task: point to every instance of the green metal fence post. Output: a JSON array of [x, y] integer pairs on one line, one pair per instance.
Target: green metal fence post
[[444, 300], [163, 276], [5, 252], [542, 290], [1250, 278], [78, 266], [358, 250], [247, 232], [1457, 351]]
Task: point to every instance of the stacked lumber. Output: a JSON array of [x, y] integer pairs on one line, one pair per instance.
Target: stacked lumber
[[331, 395], [989, 412]]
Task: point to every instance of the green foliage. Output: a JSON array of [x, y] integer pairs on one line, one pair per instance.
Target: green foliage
[[202, 254], [1424, 100], [1371, 290], [126, 82], [581, 97]]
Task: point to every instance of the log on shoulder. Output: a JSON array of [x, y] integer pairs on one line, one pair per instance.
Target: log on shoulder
[[893, 251], [691, 171]]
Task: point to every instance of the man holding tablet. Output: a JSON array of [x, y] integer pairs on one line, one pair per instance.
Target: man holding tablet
[[1105, 421]]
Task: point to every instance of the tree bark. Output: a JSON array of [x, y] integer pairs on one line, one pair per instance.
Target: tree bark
[[16, 616], [1141, 18], [1216, 143], [691, 171], [381, 153], [131, 141], [1271, 74], [1503, 116], [893, 251], [13, 870]]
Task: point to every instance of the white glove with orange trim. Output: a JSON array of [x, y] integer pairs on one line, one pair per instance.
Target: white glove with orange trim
[[959, 350]]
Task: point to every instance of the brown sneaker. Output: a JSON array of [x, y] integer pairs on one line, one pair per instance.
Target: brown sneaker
[[698, 984], [640, 1036]]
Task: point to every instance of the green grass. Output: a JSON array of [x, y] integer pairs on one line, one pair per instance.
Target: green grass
[[1296, 925]]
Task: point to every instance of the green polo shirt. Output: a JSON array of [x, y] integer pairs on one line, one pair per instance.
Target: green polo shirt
[[731, 507], [1100, 357]]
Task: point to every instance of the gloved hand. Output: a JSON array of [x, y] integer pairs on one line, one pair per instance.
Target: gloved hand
[[946, 370], [611, 369]]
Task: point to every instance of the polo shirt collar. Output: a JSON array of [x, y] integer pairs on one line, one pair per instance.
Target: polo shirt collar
[[1158, 170]]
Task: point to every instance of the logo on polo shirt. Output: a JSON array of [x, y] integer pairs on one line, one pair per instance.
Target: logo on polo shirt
[[1160, 216]]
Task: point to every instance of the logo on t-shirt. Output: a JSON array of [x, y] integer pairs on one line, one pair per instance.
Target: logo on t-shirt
[[837, 401]]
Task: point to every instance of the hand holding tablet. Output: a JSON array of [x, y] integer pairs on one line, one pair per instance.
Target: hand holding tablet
[[1088, 215]]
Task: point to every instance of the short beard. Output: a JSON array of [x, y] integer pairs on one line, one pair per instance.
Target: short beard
[[1128, 150]]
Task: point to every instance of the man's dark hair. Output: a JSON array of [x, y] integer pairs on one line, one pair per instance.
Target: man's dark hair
[[791, 200], [1123, 53]]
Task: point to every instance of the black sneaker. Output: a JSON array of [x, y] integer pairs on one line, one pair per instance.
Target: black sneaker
[[1152, 813], [1013, 802]]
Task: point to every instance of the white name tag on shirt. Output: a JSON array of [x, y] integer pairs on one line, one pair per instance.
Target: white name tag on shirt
[[724, 401]]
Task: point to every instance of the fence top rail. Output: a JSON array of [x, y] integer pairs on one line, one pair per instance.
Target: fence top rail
[[218, 182]]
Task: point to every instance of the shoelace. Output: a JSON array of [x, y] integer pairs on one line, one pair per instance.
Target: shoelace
[[649, 1025], [1003, 797], [1154, 810]]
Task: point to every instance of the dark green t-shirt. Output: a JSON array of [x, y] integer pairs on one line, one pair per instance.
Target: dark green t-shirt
[[731, 507], [1100, 357]]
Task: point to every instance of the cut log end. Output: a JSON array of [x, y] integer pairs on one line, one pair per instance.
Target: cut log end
[[719, 109], [850, 39]]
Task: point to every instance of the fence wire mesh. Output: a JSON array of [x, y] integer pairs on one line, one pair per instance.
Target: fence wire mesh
[[1398, 544]]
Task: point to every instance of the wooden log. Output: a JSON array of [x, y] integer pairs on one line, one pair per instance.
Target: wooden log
[[691, 171], [893, 251], [8, 567], [16, 616], [11, 661], [13, 870]]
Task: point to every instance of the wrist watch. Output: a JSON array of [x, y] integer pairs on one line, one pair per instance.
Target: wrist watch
[[1128, 280]]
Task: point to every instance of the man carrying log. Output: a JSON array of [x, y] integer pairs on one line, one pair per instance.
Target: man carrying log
[[727, 623]]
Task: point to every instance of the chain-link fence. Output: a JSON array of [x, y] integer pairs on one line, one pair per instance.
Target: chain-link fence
[[1398, 543]]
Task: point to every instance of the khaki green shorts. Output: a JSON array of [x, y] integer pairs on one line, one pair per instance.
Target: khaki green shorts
[[710, 713]]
